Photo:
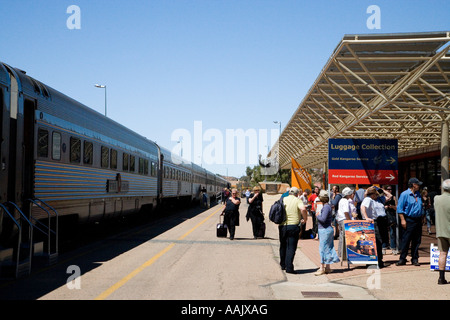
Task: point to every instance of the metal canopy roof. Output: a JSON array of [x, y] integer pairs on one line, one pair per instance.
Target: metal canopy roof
[[392, 86]]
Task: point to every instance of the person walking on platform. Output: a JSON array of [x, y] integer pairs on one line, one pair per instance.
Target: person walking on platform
[[254, 212], [289, 230], [326, 234], [442, 214], [231, 211], [409, 210]]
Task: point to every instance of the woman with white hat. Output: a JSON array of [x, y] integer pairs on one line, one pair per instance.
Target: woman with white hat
[[343, 213]]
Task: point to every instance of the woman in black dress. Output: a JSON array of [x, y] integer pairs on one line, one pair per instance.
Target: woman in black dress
[[254, 211], [231, 211]]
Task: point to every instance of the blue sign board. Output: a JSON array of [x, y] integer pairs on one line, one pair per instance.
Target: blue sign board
[[366, 161]]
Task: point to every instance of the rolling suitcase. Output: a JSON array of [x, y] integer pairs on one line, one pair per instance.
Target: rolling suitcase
[[262, 230], [221, 229]]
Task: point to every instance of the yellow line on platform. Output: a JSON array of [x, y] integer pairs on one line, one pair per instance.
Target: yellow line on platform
[[149, 262]]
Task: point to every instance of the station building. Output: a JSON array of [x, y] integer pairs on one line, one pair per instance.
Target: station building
[[378, 86]]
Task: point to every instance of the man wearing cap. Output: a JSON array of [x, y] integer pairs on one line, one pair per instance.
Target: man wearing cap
[[409, 210], [289, 230]]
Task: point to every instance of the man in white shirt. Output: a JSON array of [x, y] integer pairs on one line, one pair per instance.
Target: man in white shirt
[[373, 211]]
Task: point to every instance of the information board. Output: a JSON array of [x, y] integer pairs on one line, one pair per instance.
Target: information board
[[434, 258], [363, 161]]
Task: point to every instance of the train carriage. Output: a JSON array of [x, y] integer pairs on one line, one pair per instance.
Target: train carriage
[[58, 155], [199, 181], [176, 177]]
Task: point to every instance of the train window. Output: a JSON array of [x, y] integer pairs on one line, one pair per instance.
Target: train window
[[105, 157], [165, 172], [125, 162], [132, 163], [113, 159], [88, 152], [35, 86], [153, 170], [56, 146], [141, 166], [146, 167], [75, 150], [42, 143]]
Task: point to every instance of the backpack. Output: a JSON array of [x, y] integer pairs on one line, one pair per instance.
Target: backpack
[[277, 213]]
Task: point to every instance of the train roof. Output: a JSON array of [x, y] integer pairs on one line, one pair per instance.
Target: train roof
[[77, 115]]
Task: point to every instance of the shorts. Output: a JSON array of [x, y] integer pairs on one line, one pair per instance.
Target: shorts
[[443, 244]]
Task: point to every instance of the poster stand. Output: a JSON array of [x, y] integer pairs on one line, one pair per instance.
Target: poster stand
[[359, 245]]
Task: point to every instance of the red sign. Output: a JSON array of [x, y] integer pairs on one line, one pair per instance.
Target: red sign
[[351, 176]]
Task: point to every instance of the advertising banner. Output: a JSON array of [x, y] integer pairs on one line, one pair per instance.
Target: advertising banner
[[360, 242], [300, 178]]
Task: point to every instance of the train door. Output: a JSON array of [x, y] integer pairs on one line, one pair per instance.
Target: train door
[[28, 148], [161, 176], [13, 151], [21, 155], [4, 138]]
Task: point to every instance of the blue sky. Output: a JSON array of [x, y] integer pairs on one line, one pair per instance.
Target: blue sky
[[231, 64]]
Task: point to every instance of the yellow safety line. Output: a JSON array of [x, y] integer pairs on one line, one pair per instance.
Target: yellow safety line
[[148, 263]]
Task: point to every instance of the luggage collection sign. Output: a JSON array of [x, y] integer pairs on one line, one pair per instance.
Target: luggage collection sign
[[363, 161]]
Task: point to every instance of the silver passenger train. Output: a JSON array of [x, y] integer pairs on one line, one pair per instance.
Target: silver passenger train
[[59, 159]]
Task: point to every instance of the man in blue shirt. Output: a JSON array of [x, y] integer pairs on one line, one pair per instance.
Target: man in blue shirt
[[409, 210]]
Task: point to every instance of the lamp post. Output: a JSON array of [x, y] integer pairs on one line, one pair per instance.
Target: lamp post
[[279, 137], [102, 87], [278, 122], [181, 146]]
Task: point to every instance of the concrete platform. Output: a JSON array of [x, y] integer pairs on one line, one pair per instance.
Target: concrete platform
[[180, 258]]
